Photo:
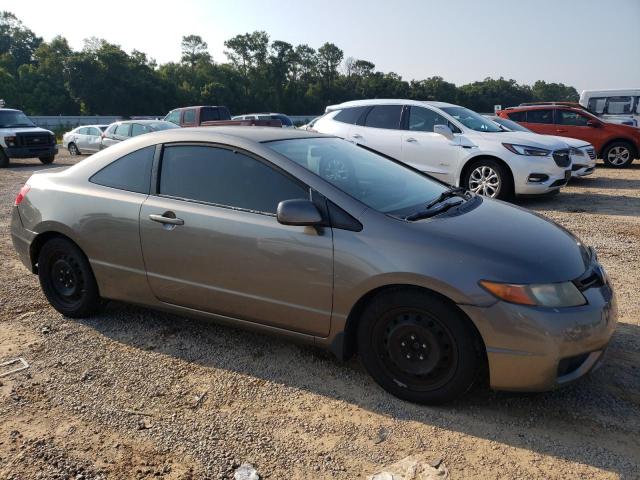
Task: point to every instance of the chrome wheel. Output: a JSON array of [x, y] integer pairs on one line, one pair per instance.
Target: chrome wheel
[[618, 156], [484, 180]]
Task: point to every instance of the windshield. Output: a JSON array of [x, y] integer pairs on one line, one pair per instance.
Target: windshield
[[376, 181], [13, 118], [162, 126], [510, 124], [471, 119]]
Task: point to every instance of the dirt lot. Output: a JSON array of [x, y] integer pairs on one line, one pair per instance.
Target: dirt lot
[[137, 394]]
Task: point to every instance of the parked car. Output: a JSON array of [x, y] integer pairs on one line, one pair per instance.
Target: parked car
[[318, 239], [120, 131], [616, 144], [583, 154], [21, 138], [453, 144], [197, 115], [286, 121], [84, 139], [621, 119], [616, 106]]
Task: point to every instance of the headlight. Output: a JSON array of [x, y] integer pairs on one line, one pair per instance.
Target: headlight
[[526, 150], [10, 141], [564, 294], [576, 151]]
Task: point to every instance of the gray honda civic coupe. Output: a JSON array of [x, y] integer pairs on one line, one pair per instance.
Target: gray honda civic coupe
[[317, 239]]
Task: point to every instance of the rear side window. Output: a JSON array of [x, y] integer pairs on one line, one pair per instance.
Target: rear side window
[[83, 131], [518, 116], [122, 130], [540, 116], [189, 116], [137, 129], [94, 131], [131, 172], [569, 117], [349, 115], [223, 177], [384, 116], [208, 114]]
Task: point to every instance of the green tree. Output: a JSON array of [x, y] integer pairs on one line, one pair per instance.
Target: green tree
[[194, 51], [545, 92]]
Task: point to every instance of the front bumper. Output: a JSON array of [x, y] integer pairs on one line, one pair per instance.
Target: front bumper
[[31, 151], [538, 349], [583, 168], [554, 182]]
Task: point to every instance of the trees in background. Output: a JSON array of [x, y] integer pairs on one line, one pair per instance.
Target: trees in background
[[49, 78]]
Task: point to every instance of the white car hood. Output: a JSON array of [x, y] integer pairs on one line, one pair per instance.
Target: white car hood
[[523, 138], [26, 130]]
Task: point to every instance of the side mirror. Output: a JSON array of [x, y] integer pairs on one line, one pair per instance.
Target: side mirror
[[443, 130], [593, 123], [298, 212]]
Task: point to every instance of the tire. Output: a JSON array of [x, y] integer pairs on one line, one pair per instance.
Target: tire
[[48, 160], [418, 347], [4, 160], [490, 178], [618, 154], [73, 149], [67, 280]]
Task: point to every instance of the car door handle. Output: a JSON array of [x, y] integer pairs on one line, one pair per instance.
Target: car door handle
[[411, 140], [166, 219], [356, 135]]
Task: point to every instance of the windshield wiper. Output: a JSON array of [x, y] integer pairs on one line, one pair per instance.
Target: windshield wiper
[[452, 192], [430, 211]]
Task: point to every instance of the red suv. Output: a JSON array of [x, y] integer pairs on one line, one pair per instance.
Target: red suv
[[616, 144]]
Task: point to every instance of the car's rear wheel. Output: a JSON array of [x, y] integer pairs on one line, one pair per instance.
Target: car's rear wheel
[[47, 160], [618, 155], [73, 149], [490, 178], [66, 278], [418, 347], [4, 159]]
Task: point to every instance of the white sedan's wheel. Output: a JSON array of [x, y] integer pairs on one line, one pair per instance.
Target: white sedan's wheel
[[73, 150]]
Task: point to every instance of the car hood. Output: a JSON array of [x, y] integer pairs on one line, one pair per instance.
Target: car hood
[[571, 142], [27, 129], [506, 243], [523, 138]]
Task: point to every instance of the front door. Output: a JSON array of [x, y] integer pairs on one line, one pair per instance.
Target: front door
[[570, 123], [427, 151], [211, 241]]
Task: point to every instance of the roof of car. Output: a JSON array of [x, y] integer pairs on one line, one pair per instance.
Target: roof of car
[[251, 133], [388, 101], [143, 122]]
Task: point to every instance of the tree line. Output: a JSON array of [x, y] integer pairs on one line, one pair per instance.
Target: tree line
[[50, 78]]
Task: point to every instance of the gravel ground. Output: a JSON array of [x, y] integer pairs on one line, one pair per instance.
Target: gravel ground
[[134, 393]]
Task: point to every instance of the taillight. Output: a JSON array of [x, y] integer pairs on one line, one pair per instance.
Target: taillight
[[21, 194]]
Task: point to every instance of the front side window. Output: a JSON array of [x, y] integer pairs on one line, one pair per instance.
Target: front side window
[[384, 116], [379, 183], [349, 115], [83, 131], [423, 119], [189, 116], [517, 116], [123, 130], [569, 117], [131, 172], [540, 116], [471, 119], [597, 104], [94, 131], [619, 105], [225, 177]]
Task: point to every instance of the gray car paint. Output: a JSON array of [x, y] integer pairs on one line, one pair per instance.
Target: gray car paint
[[209, 268]]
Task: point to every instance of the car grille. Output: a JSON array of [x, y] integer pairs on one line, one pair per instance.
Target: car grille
[[562, 158], [592, 153], [34, 139]]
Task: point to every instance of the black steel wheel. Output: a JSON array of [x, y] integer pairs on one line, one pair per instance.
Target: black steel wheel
[[418, 347], [66, 278]]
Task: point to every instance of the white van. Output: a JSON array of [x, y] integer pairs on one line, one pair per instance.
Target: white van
[[617, 106]]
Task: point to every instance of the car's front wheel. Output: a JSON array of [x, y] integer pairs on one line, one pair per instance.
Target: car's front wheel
[[47, 160], [488, 177], [66, 279], [73, 149], [618, 155], [418, 347], [4, 159]]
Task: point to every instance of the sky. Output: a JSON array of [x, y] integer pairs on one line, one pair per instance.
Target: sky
[[590, 44]]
